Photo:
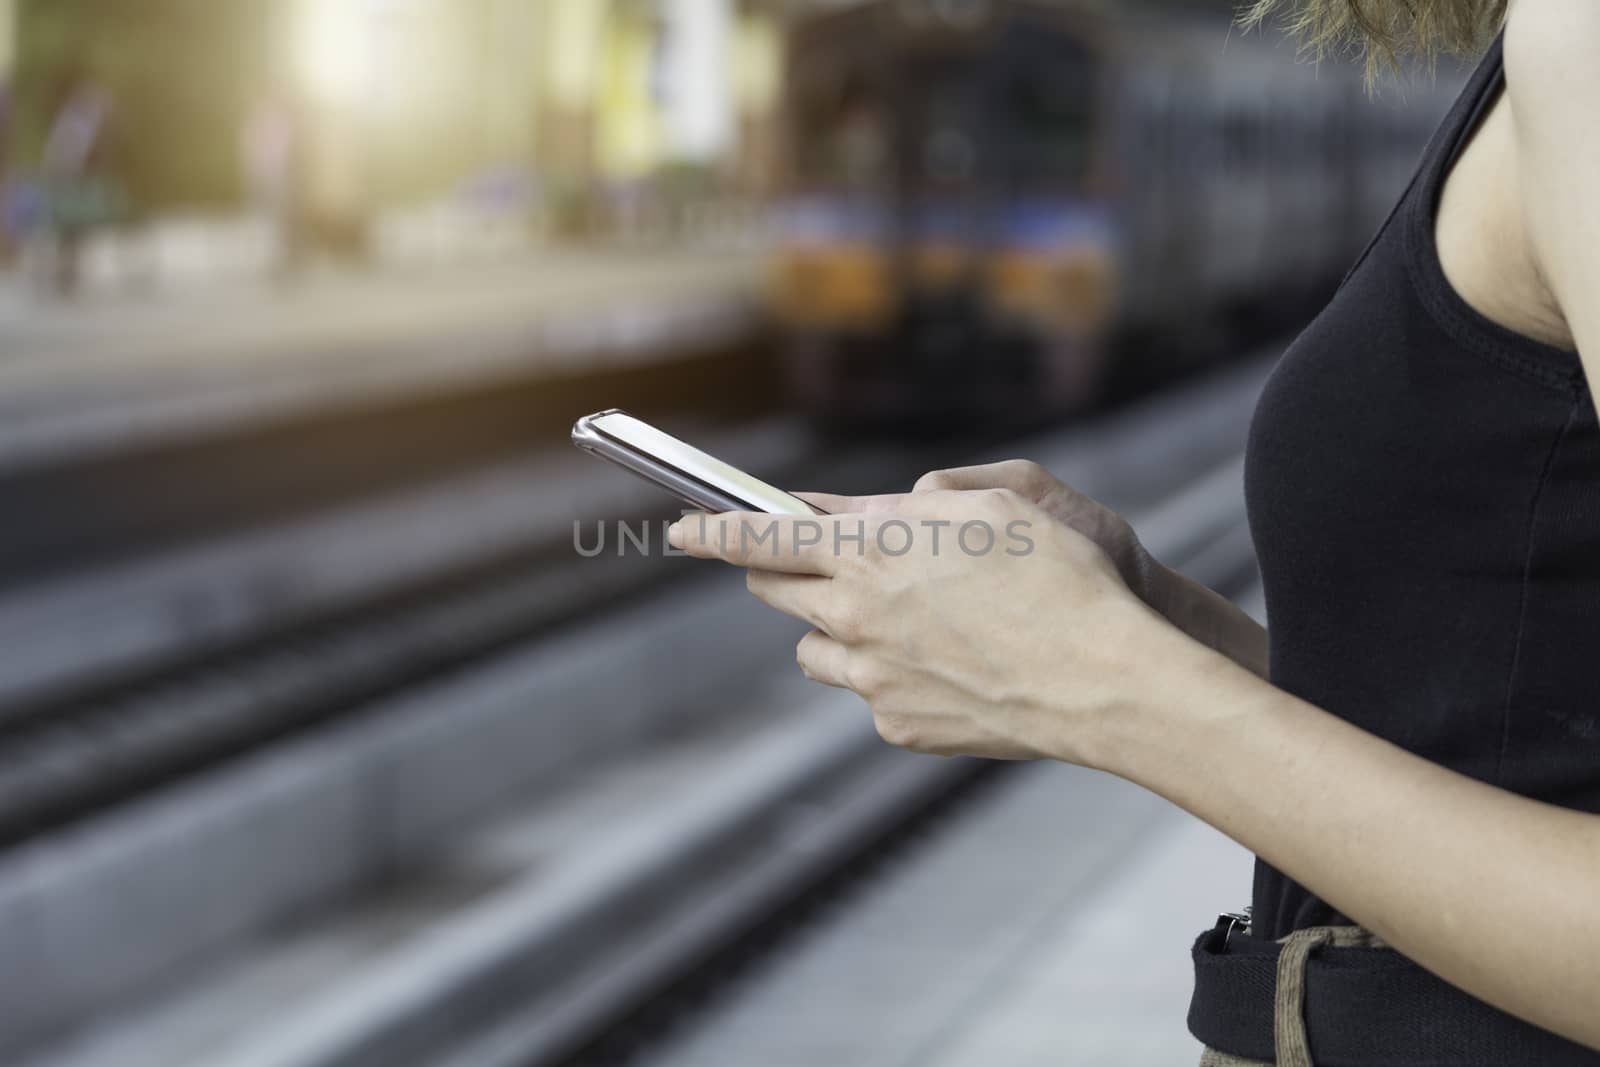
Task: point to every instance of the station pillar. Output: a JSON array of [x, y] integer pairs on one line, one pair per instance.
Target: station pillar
[[757, 90], [572, 48]]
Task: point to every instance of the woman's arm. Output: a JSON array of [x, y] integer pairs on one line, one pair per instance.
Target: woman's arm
[[1208, 617], [1038, 648], [1552, 56], [1495, 893]]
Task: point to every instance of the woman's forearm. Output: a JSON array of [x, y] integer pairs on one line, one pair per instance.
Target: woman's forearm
[[1209, 618], [1495, 893]]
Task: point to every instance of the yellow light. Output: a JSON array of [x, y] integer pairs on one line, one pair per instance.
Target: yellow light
[[8, 36], [757, 64], [335, 45], [577, 30]]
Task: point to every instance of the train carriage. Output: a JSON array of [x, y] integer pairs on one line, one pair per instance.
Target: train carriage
[[987, 201]]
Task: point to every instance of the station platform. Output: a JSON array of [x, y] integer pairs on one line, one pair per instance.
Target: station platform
[[113, 371], [1051, 929]]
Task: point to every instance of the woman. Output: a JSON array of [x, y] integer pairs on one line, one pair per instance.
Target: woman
[[1421, 775]]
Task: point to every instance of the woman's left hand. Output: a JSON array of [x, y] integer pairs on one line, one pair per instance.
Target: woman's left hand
[[971, 622]]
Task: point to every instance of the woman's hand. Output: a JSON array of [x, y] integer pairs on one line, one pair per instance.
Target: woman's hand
[[972, 622], [1110, 531], [1033, 483], [1212, 620]]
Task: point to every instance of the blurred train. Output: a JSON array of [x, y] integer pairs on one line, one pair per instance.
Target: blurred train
[[985, 200]]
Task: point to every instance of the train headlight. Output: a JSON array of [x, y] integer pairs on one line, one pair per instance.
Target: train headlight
[[1065, 291], [834, 287]]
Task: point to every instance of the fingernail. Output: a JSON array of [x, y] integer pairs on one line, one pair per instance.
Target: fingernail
[[675, 534]]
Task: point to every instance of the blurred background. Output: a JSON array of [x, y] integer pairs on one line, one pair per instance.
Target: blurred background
[[349, 716]]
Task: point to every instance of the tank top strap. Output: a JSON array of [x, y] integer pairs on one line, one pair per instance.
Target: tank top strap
[[1556, 367], [1427, 178], [1453, 133]]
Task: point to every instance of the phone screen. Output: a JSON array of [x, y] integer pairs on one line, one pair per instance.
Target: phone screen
[[664, 448]]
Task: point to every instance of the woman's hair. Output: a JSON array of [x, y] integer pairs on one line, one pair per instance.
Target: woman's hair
[[1385, 30]]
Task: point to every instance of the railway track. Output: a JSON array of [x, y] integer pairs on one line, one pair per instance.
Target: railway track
[[131, 683], [314, 768], [120, 681]]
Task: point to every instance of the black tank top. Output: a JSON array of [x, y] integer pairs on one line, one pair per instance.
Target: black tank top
[[1424, 491]]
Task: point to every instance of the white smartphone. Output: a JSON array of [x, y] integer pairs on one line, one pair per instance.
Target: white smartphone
[[683, 470]]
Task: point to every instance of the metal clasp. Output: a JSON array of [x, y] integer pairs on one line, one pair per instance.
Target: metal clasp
[[1231, 922]]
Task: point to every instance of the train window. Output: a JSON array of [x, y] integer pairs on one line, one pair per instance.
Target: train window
[[947, 150], [1187, 126], [1237, 124], [1049, 110], [949, 156], [963, 15], [1145, 135], [840, 135]]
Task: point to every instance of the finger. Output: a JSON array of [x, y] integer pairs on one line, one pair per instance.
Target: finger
[[834, 504], [787, 543], [823, 659], [1019, 475], [802, 595]]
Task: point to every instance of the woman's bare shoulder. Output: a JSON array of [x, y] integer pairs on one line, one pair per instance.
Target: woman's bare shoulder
[[1552, 57]]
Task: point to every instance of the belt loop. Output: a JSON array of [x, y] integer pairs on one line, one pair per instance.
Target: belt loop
[[1291, 1047]]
